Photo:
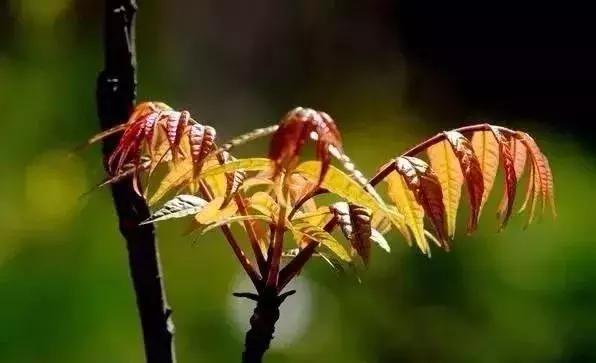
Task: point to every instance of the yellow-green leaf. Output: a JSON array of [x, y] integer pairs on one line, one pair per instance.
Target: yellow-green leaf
[[341, 184], [318, 234], [237, 219], [316, 218], [486, 148], [445, 164], [252, 164], [264, 204], [407, 205], [212, 212], [179, 174]]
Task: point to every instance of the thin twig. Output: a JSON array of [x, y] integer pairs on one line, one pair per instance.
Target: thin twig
[[297, 263], [240, 255]]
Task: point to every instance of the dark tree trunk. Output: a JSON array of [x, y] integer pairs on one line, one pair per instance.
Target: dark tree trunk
[[262, 327], [116, 91], [262, 323]]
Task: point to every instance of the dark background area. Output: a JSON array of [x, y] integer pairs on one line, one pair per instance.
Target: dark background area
[[515, 59], [390, 73]]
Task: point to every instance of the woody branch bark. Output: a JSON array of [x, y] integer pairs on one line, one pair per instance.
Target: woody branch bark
[[116, 91]]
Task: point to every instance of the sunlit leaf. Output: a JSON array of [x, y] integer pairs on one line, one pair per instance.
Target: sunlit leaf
[[299, 187], [178, 175], [178, 207], [407, 204], [255, 217], [486, 149], [264, 204], [295, 129], [508, 162], [213, 214], [445, 164], [423, 182], [217, 183], [252, 164], [302, 230], [255, 182], [472, 174], [316, 218], [542, 175], [233, 180], [378, 238], [341, 184], [520, 154], [202, 142], [382, 223], [550, 187]]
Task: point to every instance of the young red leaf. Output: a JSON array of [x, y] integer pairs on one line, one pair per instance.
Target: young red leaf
[[128, 149], [149, 130], [173, 118], [542, 176], [355, 223], [295, 129], [508, 162], [136, 131], [425, 185], [550, 187], [202, 142], [180, 131]]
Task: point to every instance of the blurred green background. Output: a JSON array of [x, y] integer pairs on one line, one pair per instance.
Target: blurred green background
[[65, 294]]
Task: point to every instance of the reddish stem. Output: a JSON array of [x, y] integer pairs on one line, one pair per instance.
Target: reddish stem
[[277, 247], [254, 240], [297, 263], [305, 198], [244, 261], [252, 234]]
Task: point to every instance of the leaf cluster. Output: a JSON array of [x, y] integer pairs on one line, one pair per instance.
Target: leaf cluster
[[274, 196]]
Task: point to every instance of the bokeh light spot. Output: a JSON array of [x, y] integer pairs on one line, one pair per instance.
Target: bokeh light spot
[[33, 13]]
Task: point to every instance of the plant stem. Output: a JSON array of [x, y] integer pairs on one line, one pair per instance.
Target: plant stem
[[116, 91], [277, 241], [297, 263], [240, 255], [262, 326], [252, 235]]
